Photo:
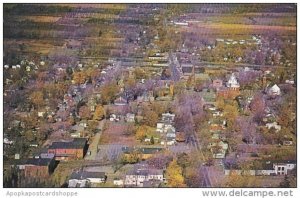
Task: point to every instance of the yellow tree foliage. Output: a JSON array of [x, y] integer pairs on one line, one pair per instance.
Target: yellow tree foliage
[[151, 118], [99, 113], [141, 133], [79, 77], [241, 181], [109, 92], [220, 103], [37, 98], [230, 113], [174, 175], [172, 90]]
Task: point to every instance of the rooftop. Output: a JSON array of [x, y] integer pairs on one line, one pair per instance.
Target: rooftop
[[77, 143]]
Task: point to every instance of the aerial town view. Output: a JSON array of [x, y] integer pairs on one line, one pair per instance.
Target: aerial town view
[[149, 95]]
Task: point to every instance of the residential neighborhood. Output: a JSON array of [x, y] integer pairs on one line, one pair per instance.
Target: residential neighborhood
[[149, 95]]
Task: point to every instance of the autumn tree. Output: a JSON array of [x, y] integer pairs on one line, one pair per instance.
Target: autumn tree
[[150, 118], [109, 92], [37, 99], [257, 104], [84, 112], [230, 113], [131, 158], [174, 175], [79, 77], [179, 87], [140, 74], [99, 113], [141, 133], [93, 126]]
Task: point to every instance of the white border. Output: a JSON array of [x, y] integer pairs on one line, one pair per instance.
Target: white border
[[122, 192]]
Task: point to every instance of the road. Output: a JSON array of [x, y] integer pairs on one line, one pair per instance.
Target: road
[[174, 67], [206, 180], [93, 148]]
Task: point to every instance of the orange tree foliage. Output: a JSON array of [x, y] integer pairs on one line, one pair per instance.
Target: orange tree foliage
[[174, 175], [99, 113]]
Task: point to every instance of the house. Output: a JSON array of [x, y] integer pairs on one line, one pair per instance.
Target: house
[[114, 117], [180, 137], [217, 84], [118, 182], [7, 141], [120, 101], [218, 149], [283, 167], [82, 178], [232, 82], [39, 167], [274, 125], [168, 141], [231, 90], [168, 117], [262, 168], [41, 113], [162, 127], [146, 97], [75, 149], [141, 174], [290, 82], [274, 91], [130, 117]]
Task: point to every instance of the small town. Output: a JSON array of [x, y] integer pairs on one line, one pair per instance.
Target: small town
[[149, 95]]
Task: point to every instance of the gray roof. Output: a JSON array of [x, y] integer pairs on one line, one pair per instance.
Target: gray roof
[[77, 143], [84, 175], [39, 161]]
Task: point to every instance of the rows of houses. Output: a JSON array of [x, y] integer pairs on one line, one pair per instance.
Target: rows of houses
[[142, 175], [267, 168], [44, 163]]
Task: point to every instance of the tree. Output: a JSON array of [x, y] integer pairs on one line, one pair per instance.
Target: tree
[[220, 103], [79, 77], [152, 140], [141, 133], [99, 113], [194, 177], [92, 126], [257, 104], [174, 175], [151, 118], [109, 92], [179, 87], [131, 158], [130, 129], [84, 112], [140, 74], [230, 113], [183, 160], [37, 98]]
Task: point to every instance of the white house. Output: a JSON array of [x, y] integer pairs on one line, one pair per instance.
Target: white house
[[82, 178], [138, 176], [274, 91], [232, 82], [282, 168], [41, 113], [118, 182], [274, 125], [218, 149], [130, 117]]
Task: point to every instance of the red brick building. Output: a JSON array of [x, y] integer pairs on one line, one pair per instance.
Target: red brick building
[[75, 149], [40, 167]]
